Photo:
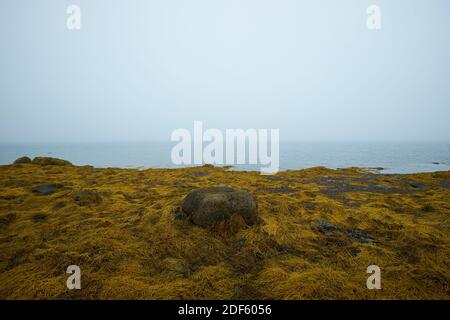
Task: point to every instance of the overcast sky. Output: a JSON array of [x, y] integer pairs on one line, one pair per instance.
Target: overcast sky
[[139, 69]]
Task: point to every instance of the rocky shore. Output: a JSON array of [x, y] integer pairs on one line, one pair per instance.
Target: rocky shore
[[209, 233]]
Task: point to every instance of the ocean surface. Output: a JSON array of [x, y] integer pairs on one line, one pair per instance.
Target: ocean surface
[[398, 157]]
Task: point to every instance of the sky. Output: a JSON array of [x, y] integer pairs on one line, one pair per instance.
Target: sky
[[139, 69]]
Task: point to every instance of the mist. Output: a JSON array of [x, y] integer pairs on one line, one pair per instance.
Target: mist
[[138, 70]]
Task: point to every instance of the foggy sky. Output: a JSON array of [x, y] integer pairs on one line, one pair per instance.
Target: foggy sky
[[137, 70]]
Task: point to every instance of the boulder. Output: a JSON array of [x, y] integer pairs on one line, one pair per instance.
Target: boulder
[[47, 188], [210, 206], [48, 161], [22, 160]]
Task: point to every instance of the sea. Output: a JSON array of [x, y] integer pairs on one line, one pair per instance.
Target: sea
[[392, 157]]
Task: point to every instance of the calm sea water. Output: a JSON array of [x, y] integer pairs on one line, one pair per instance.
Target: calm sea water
[[405, 157]]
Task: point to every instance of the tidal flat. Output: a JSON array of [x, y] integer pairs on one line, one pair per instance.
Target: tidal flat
[[316, 233]]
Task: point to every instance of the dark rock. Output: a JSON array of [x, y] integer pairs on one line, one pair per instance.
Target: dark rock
[[47, 188], [358, 235], [87, 197], [325, 226], [22, 160], [239, 244], [274, 178], [179, 215], [281, 190], [329, 228], [416, 185], [48, 161], [209, 206], [40, 217], [59, 205]]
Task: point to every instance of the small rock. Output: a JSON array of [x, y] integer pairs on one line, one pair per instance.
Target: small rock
[[40, 217], [358, 235], [209, 206], [47, 188], [326, 226], [87, 197], [239, 244], [179, 215], [281, 190], [416, 185], [22, 160], [48, 161]]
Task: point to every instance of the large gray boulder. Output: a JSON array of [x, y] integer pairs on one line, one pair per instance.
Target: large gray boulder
[[48, 161], [22, 160], [209, 206]]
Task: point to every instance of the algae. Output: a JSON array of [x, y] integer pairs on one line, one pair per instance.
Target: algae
[[314, 238]]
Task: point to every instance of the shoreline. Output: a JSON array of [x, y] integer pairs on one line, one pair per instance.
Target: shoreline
[[229, 168]]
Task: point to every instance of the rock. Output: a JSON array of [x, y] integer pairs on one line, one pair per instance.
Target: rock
[[280, 190], [22, 160], [87, 197], [179, 215], [48, 161], [416, 185], [40, 217], [239, 244], [325, 226], [47, 188], [209, 206], [355, 234]]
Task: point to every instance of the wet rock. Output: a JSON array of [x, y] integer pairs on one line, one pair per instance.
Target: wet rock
[[59, 205], [274, 178], [239, 244], [358, 235], [48, 161], [325, 226], [416, 185], [47, 188], [281, 190], [355, 234], [22, 160], [40, 217], [209, 206], [87, 197], [179, 215]]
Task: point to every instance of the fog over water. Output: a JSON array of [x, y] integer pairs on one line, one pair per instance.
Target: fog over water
[[137, 70]]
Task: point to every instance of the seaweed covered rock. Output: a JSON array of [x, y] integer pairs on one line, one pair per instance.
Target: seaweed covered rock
[[47, 188], [22, 160], [209, 206], [48, 161], [87, 197]]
